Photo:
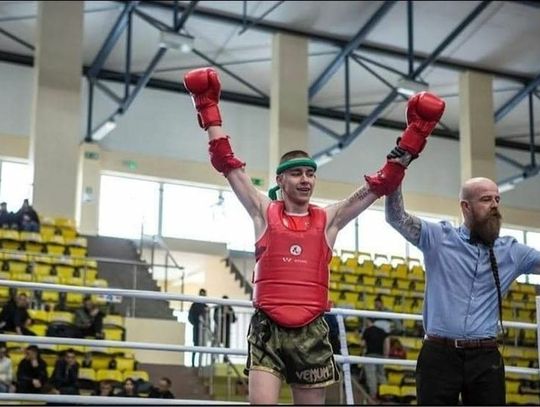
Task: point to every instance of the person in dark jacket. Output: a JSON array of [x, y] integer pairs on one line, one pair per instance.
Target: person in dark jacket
[[196, 316], [66, 373], [162, 390], [32, 372], [129, 389], [224, 317]]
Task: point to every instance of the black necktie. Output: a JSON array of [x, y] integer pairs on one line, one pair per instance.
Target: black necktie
[[495, 270]]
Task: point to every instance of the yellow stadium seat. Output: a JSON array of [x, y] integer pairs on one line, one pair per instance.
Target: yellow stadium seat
[[50, 296], [74, 299], [108, 374], [61, 316], [408, 391], [41, 269], [39, 315], [99, 282], [64, 272], [38, 329], [9, 239], [416, 272], [48, 279], [16, 266], [395, 378], [335, 263], [528, 399], [31, 242], [55, 244], [125, 364], [86, 373], [113, 320], [368, 280], [20, 276], [389, 390], [136, 374], [73, 281], [113, 334]]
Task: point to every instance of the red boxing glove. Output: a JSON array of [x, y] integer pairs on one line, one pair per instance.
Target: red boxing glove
[[387, 179], [204, 86], [424, 110]]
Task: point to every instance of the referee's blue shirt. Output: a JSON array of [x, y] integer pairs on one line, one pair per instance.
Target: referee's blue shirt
[[461, 297]]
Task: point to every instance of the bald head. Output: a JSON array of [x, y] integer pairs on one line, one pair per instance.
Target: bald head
[[476, 187], [479, 201]]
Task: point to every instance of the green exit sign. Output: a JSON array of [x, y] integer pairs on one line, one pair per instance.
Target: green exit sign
[[258, 182], [91, 155]]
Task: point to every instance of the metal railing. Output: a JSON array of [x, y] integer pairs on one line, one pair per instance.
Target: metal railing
[[343, 359]]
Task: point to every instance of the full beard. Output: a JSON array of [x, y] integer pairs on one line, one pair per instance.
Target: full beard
[[487, 230]]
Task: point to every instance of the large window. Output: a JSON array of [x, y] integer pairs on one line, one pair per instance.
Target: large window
[[127, 205], [15, 185]]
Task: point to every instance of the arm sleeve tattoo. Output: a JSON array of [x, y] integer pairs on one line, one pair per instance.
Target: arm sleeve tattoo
[[407, 225]]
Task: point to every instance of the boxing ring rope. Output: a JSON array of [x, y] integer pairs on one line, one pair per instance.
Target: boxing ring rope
[[109, 401], [340, 312]]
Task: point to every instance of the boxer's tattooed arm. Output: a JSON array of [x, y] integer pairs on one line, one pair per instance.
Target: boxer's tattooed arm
[[408, 226], [359, 195]]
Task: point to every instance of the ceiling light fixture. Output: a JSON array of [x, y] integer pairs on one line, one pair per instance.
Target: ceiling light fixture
[[409, 87], [102, 131], [177, 41]]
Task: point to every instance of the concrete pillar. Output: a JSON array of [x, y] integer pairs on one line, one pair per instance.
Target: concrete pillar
[[289, 98], [56, 117], [89, 182], [476, 126]]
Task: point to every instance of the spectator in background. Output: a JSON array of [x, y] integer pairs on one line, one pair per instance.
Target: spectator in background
[[163, 390], [87, 361], [384, 324], [397, 350], [66, 373], [7, 315], [6, 371], [105, 389], [89, 319], [128, 389], [377, 345], [21, 318], [27, 218], [197, 317], [32, 372], [224, 317], [7, 219]]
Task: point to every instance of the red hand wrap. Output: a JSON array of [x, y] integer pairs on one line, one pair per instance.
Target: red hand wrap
[[222, 156], [387, 179]]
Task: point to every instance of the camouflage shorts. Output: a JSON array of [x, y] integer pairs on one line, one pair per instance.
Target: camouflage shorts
[[301, 356]]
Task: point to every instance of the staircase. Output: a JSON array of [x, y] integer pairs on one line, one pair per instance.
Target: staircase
[[241, 265], [127, 276]]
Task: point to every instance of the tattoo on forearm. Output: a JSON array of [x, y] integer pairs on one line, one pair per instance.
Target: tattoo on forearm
[[409, 226], [359, 195]]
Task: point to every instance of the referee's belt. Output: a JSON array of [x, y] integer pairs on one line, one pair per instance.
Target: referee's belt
[[462, 343]]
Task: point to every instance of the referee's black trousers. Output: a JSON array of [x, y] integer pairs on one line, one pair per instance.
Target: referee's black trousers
[[443, 372]]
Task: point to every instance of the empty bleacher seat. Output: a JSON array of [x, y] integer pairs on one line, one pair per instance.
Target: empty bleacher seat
[[109, 374]]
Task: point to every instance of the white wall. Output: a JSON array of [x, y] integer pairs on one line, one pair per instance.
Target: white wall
[[163, 124]]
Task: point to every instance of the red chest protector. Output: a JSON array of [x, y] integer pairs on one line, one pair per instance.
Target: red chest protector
[[291, 275]]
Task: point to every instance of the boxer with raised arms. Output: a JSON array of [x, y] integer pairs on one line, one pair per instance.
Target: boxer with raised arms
[[288, 337]]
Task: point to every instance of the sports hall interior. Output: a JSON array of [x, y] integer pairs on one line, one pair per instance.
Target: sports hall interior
[[99, 133]]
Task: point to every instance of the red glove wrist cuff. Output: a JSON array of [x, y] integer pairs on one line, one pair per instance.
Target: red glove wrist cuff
[[209, 116], [222, 156], [386, 180]]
